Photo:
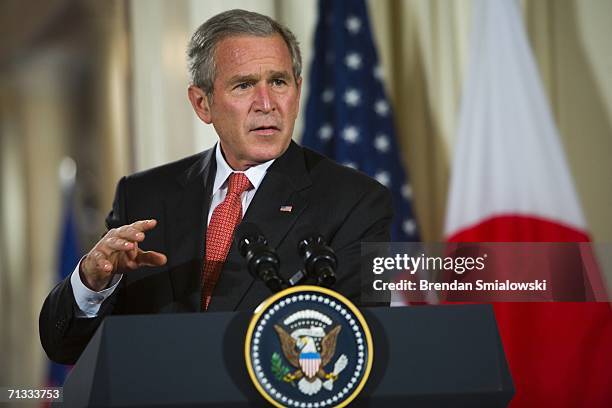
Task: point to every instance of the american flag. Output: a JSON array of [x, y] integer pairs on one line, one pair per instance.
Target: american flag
[[348, 116], [69, 255]]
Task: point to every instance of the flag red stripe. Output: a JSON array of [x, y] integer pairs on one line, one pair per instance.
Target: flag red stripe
[[519, 228], [560, 354]]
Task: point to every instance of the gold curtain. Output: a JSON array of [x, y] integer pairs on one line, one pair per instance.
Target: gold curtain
[[64, 91]]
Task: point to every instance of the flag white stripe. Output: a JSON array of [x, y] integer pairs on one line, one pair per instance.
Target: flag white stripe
[[507, 147]]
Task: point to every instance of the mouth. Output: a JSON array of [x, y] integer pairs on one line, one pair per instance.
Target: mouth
[[265, 130]]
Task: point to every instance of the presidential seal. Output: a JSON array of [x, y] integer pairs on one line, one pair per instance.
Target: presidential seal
[[308, 347]]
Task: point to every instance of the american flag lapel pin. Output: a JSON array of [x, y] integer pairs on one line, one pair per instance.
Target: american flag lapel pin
[[286, 208]]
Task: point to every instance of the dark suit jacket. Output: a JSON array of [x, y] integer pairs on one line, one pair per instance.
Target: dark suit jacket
[[345, 206]]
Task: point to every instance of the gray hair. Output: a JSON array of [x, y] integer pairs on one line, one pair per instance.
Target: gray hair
[[203, 43]]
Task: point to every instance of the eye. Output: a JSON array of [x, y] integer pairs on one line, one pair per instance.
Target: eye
[[243, 85], [278, 82]]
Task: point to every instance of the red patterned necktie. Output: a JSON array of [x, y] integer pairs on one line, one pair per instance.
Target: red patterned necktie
[[225, 217]]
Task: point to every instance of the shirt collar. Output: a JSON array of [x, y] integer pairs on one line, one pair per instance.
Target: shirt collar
[[255, 174]]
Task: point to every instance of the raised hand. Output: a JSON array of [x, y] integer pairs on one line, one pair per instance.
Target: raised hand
[[118, 252]]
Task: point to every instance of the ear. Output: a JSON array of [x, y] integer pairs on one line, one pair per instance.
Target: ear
[[298, 82], [200, 103]]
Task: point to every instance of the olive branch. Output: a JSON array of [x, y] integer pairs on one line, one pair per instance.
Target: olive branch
[[279, 370]]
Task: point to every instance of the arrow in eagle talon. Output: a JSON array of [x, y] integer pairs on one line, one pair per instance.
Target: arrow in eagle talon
[[340, 365]]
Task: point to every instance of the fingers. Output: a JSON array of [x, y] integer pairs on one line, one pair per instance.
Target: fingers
[[118, 244], [144, 225], [134, 232], [95, 270], [146, 258], [150, 258], [100, 261], [126, 238], [118, 251], [128, 233]]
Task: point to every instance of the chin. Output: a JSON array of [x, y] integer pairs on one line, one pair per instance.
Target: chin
[[264, 153], [262, 157]]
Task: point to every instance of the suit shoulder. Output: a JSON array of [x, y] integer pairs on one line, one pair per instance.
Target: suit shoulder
[[166, 172], [344, 177]]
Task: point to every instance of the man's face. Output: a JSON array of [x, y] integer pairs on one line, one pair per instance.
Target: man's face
[[255, 99]]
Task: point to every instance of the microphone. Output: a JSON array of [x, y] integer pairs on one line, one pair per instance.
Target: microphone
[[262, 261], [319, 259]]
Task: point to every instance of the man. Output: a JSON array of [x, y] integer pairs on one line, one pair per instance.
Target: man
[[169, 244]]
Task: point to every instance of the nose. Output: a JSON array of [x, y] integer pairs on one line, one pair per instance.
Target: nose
[[263, 99]]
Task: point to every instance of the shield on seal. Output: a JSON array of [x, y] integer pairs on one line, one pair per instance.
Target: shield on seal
[[309, 363]]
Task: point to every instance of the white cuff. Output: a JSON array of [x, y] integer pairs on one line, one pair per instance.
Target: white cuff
[[88, 300]]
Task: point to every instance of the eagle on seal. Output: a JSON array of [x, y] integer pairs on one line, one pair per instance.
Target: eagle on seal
[[301, 352]]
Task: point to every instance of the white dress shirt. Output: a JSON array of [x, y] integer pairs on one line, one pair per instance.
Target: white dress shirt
[[89, 301]]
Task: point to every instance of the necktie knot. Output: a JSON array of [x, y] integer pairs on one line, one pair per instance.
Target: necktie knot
[[238, 183]]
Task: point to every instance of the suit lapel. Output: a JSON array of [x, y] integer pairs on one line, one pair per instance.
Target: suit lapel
[[280, 188], [186, 212]]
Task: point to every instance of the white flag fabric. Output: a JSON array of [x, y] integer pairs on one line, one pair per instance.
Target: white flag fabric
[[508, 147], [510, 182]]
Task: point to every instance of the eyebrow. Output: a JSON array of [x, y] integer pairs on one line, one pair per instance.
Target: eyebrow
[[280, 75], [254, 78]]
